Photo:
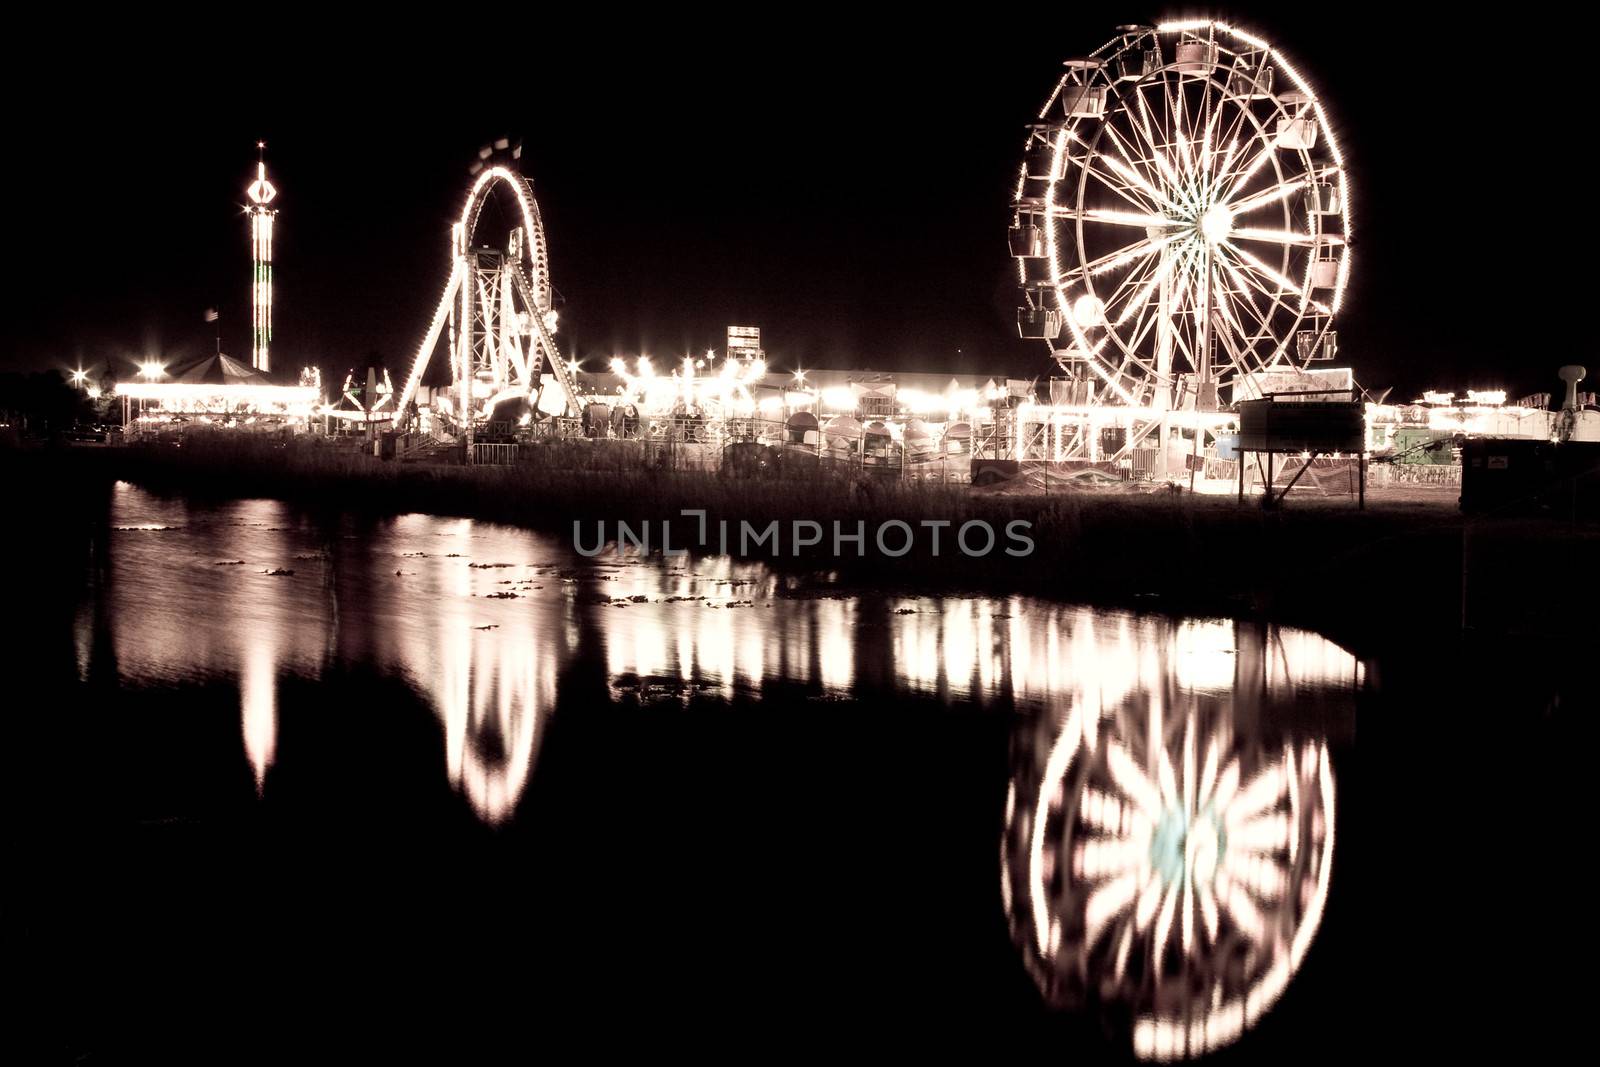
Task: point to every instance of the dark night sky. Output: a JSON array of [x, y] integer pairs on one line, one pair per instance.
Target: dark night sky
[[844, 186]]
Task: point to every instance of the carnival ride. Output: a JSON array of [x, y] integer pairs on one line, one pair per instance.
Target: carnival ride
[[497, 313], [1169, 833], [1181, 225]]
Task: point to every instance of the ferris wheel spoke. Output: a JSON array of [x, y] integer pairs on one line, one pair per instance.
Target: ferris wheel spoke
[[1149, 900], [1241, 294], [1184, 125], [1210, 139], [1132, 341], [1250, 168], [1120, 185], [1274, 295], [1181, 132], [1141, 334], [1241, 111], [1229, 345], [1222, 305], [1265, 833], [1260, 875], [1156, 151], [1208, 771], [1128, 171], [1107, 902], [1263, 791], [1286, 285], [1097, 859], [1207, 901], [1183, 285], [1111, 216], [1142, 249], [1133, 781], [1128, 282], [1279, 237], [1163, 934], [1168, 779], [1214, 179], [1141, 297], [1102, 811], [1265, 197], [1239, 908], [1137, 149]]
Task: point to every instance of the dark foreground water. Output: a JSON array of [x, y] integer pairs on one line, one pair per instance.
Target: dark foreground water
[[292, 786]]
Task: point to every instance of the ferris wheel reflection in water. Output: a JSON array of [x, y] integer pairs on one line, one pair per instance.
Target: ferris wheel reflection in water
[[1169, 839]]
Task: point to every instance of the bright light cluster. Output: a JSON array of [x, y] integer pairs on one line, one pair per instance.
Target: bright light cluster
[[695, 386], [195, 398]]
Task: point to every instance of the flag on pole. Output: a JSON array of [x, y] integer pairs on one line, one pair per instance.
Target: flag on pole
[[211, 314]]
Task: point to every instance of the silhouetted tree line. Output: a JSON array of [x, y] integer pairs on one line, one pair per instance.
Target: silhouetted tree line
[[41, 404]]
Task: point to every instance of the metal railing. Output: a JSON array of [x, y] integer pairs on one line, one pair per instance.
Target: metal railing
[[494, 454]]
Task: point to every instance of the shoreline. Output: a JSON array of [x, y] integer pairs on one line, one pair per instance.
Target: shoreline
[[1381, 582]]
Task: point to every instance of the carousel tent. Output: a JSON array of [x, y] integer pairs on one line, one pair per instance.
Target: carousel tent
[[220, 369], [217, 385]]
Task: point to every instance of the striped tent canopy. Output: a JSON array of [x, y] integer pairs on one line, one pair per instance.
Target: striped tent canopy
[[220, 369]]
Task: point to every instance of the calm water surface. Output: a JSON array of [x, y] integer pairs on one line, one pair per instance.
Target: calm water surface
[[365, 778]]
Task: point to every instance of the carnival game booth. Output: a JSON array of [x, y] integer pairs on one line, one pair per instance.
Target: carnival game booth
[[217, 391]]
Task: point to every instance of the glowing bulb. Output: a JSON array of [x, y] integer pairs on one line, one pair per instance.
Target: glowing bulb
[[1088, 310], [1216, 223]]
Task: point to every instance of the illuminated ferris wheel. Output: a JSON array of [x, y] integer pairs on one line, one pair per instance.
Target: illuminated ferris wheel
[[1181, 218], [497, 313]]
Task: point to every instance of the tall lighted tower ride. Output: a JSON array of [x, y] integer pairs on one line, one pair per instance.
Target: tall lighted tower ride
[[261, 193]]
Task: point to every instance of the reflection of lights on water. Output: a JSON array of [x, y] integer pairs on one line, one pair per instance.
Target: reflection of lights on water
[[1161, 855], [1205, 655], [952, 648], [1073, 656], [493, 694], [489, 667], [258, 704], [491, 689]]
